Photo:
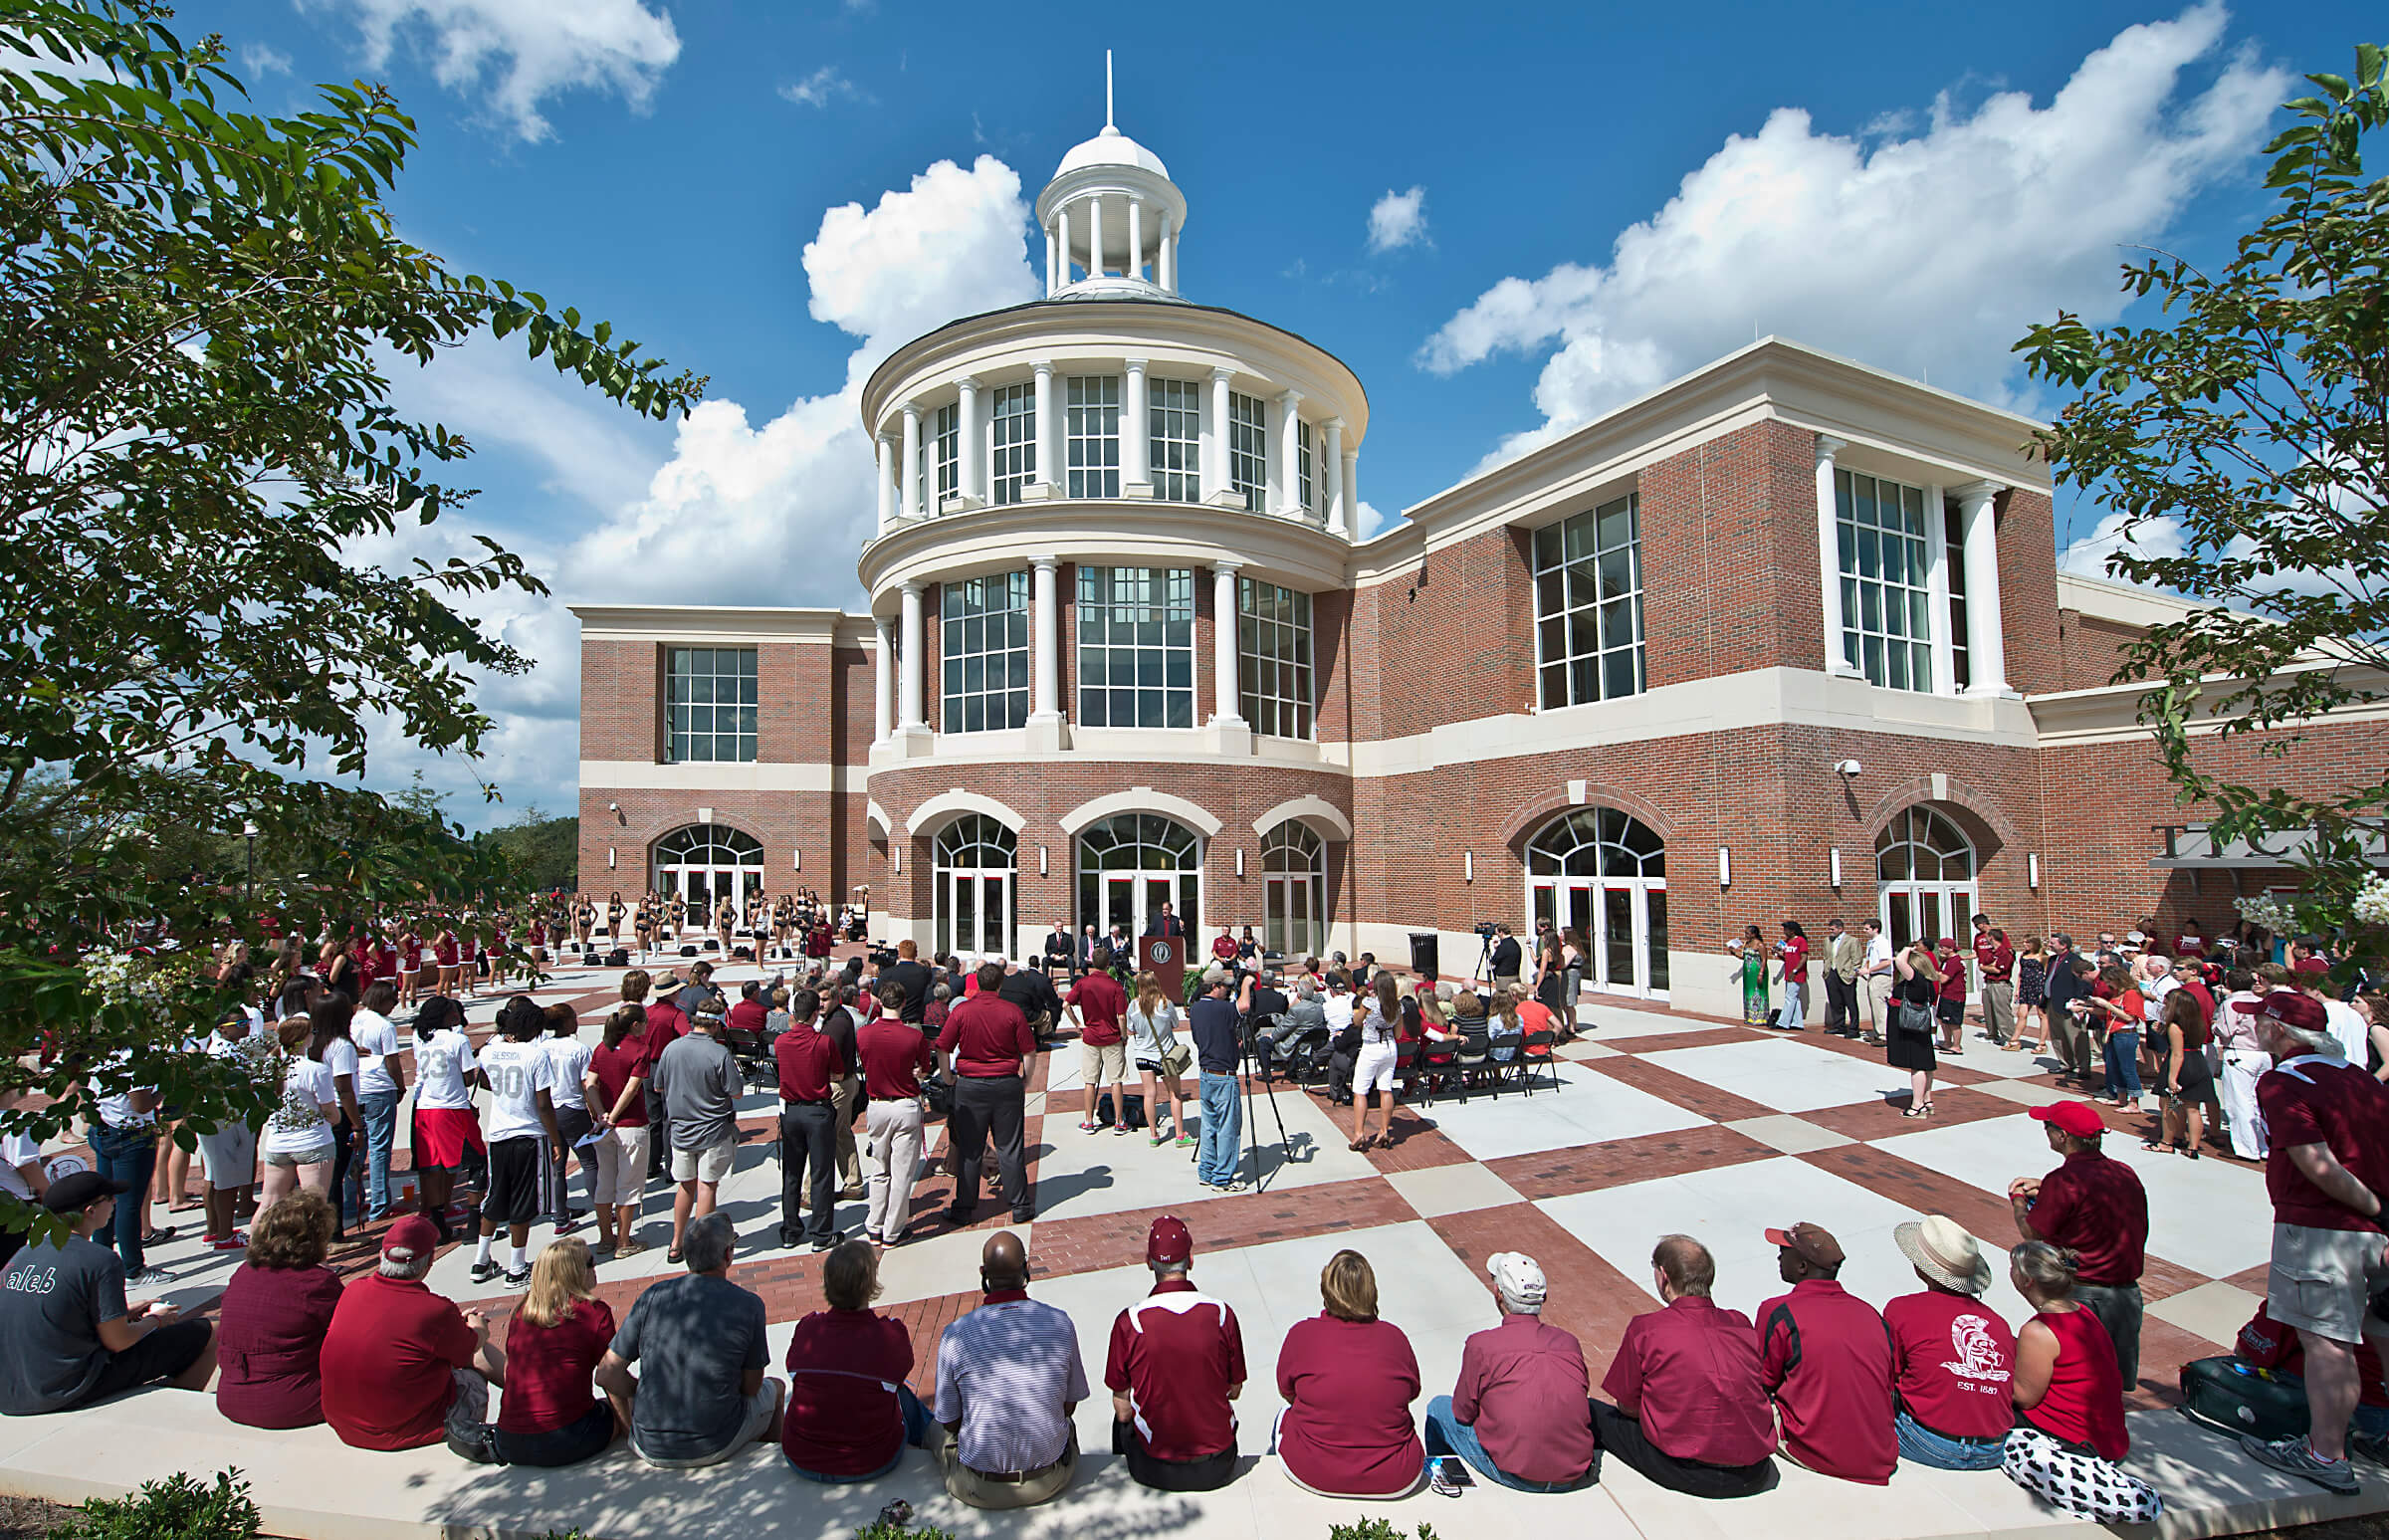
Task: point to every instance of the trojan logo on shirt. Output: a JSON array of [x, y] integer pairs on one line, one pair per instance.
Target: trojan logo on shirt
[[1978, 1353]]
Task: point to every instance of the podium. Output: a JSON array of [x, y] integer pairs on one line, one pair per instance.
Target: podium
[[1165, 957]]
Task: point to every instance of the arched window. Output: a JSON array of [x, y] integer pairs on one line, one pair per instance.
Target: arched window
[[1603, 874], [705, 863], [1927, 867], [976, 893], [1130, 864], [1293, 890]]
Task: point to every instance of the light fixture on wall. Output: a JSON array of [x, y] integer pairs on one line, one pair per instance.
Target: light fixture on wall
[[1847, 768], [609, 858], [1240, 863], [1836, 866], [896, 859], [1725, 867], [1467, 866], [1040, 860], [2032, 870], [796, 859]]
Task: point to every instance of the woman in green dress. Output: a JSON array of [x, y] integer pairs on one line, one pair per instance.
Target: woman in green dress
[[1753, 953]]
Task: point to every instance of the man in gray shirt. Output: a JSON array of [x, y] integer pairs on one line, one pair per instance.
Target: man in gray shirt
[[702, 1395], [1008, 1377], [698, 1079], [67, 1336]]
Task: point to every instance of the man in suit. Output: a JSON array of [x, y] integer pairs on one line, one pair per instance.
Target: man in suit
[[1164, 923], [1841, 957], [1059, 949]]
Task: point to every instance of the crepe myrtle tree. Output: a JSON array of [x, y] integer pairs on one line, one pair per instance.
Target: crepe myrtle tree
[[2243, 436], [201, 309]]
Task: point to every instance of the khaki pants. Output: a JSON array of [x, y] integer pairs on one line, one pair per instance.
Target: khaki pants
[[850, 1168], [967, 1485], [894, 1130], [1999, 1008], [1875, 990]]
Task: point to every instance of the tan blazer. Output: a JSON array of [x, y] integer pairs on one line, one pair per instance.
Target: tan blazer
[[1843, 955]]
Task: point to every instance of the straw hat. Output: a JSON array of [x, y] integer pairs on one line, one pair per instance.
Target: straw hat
[[1944, 1251]]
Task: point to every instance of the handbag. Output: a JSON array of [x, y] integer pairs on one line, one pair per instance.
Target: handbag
[[1915, 1019], [1177, 1057]]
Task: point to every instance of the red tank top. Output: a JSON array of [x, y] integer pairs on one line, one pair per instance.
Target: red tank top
[[2085, 1403]]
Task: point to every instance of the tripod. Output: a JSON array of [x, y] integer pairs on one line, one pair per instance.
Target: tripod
[[1484, 957], [1246, 1058]]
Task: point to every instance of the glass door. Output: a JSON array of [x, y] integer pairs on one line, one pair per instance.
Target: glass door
[[1612, 945], [1655, 937], [1120, 907], [1926, 911], [698, 893], [995, 916]]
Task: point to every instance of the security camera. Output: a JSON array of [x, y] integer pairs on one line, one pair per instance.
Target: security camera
[[1846, 767], [613, 808]]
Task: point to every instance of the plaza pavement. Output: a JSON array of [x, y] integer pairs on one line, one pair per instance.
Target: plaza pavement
[[1662, 1121]]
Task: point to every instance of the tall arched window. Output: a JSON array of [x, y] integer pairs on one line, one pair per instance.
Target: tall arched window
[[977, 900], [1132, 863], [1927, 869], [705, 863], [1603, 873], [1293, 890]]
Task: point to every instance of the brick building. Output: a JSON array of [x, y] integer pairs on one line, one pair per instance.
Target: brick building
[[1785, 637]]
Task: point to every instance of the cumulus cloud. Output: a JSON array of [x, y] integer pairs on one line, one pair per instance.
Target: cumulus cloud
[[261, 60], [523, 52], [1397, 219], [1924, 252], [824, 86]]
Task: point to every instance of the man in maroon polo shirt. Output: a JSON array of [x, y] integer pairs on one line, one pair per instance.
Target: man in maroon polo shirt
[[986, 1042], [1996, 961], [2094, 1207], [1097, 1002], [1690, 1411], [810, 1066], [1824, 1355], [1177, 1361], [894, 1055], [1512, 1415]]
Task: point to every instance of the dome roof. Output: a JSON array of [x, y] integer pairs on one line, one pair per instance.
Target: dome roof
[[1111, 148]]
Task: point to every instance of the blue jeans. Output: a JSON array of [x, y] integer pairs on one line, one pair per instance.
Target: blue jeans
[[128, 1156], [1794, 1011], [1926, 1448], [1447, 1434], [2124, 1064], [381, 1131], [1222, 1131], [915, 1434]]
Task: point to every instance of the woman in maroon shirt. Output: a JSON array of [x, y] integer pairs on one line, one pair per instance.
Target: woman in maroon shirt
[[277, 1307], [1348, 1379], [850, 1414], [2068, 1397], [550, 1415]]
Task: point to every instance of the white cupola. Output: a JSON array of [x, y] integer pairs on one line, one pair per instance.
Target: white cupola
[[1111, 217]]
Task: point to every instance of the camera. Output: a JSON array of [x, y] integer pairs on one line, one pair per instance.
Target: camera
[[1485, 929]]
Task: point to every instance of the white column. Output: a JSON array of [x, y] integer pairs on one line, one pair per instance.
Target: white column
[[1985, 641], [1332, 462], [1095, 238], [1061, 221], [883, 697], [1937, 590], [1136, 429], [1164, 260], [1049, 428], [1829, 558], [911, 660], [910, 470], [887, 484], [969, 463], [1223, 645], [1352, 494], [1289, 455], [1046, 676], [1136, 239], [1053, 281], [1216, 478]]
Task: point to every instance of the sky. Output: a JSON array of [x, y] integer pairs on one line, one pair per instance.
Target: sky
[[1506, 219]]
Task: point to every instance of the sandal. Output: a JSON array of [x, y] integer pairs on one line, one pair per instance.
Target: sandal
[[2156, 1147], [1913, 1111], [673, 1257]]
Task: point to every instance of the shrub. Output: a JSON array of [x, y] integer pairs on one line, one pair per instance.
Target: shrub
[[177, 1508], [1375, 1529]]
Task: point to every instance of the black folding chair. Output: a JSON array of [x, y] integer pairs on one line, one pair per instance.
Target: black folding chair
[[1533, 1054]]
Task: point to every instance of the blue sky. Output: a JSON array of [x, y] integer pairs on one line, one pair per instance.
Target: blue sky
[[777, 195]]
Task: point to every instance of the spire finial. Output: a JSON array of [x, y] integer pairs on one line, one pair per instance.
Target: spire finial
[[1107, 124]]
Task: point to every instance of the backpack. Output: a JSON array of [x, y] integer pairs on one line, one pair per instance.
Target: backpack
[[2235, 1397], [1132, 1109]]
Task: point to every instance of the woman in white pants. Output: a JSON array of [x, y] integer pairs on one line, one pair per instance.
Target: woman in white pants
[[2244, 1063], [1372, 1069]]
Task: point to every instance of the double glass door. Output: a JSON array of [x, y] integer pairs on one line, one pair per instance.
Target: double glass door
[[976, 915], [702, 887], [1625, 927], [1928, 910], [1135, 899]]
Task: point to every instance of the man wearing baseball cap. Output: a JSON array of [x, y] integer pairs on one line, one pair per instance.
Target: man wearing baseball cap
[[2094, 1207], [1519, 1414], [1826, 1359], [67, 1336], [403, 1367], [1177, 1361], [1953, 1359], [2329, 1167]]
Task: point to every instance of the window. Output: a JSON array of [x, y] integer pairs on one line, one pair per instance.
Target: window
[[705, 863], [975, 893], [1273, 642], [1248, 449], [1953, 563], [945, 448], [1175, 429], [1094, 433], [1886, 606], [710, 692], [1014, 437], [983, 652], [1922, 845], [1600, 875], [1136, 647], [1589, 605], [1302, 456], [1129, 865]]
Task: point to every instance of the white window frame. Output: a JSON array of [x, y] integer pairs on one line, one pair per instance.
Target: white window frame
[[1276, 688], [1587, 647], [1915, 557], [997, 606], [1144, 618], [1248, 449], [1092, 424], [1012, 441], [944, 447], [1302, 456], [1173, 439], [682, 687]]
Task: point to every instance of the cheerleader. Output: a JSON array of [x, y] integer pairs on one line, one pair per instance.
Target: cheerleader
[[613, 920], [443, 952], [584, 920], [410, 966], [646, 927], [676, 910], [725, 919], [468, 960]]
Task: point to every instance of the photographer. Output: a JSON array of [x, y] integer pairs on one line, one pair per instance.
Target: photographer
[[1509, 958], [1031, 990]]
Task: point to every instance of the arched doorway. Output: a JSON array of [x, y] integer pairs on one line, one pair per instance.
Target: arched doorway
[[1130, 864], [975, 869], [1927, 870], [1293, 891], [1604, 873], [707, 862]]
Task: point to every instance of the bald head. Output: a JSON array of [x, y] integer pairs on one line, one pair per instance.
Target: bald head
[[1003, 1262], [1684, 1267]]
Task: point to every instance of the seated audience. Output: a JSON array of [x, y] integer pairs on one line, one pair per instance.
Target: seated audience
[[1348, 1380], [1691, 1413], [2069, 1396], [1825, 1358], [277, 1306], [701, 1393], [850, 1414], [551, 1415], [1176, 1365], [404, 1366], [1952, 1357], [67, 1336], [1008, 1377], [1518, 1413]]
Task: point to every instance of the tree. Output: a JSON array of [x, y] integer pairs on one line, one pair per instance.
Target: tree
[[545, 850], [2244, 437], [199, 308]]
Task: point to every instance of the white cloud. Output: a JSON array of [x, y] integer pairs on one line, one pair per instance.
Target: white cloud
[[522, 52], [827, 84], [1397, 219], [1927, 255], [261, 60]]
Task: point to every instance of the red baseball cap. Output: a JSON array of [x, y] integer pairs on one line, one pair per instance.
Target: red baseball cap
[[411, 1238], [2292, 1008], [2079, 1118], [1169, 1241]]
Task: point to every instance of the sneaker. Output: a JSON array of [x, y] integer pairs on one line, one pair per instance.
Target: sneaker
[[484, 1271], [2296, 1456], [825, 1243], [2368, 1447], [149, 1278], [1186, 1140], [518, 1278], [238, 1240]]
